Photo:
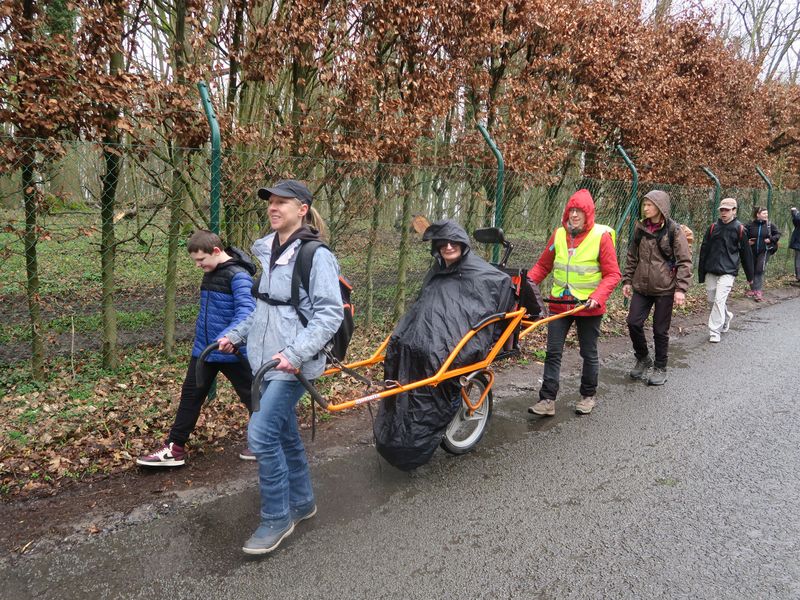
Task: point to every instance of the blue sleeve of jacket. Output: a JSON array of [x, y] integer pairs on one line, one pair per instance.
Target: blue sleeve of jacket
[[243, 301]]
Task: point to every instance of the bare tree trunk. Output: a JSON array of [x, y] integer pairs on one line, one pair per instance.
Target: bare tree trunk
[[29, 194], [112, 157], [233, 226], [469, 217], [113, 161], [177, 197], [177, 192], [402, 255], [373, 238], [30, 239], [661, 12]]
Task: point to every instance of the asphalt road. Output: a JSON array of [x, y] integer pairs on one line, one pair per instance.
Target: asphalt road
[[686, 491]]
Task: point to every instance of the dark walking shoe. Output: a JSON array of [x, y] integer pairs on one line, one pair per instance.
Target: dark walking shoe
[[658, 376], [266, 538], [640, 369], [301, 515]]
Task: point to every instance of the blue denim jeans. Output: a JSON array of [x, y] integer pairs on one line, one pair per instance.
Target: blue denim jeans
[[274, 438]]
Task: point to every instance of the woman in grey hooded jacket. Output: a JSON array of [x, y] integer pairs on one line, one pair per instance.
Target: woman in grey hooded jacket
[[274, 332], [658, 272]]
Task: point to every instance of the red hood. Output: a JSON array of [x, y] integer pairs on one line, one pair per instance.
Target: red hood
[[582, 200]]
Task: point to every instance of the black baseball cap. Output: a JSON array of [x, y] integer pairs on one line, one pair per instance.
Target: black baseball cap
[[287, 188]]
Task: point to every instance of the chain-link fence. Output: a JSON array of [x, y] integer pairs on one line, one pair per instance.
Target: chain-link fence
[[67, 209]]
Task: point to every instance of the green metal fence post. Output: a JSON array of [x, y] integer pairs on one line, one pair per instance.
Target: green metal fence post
[[631, 203], [216, 157], [634, 189], [769, 187], [717, 191], [498, 195], [216, 168]]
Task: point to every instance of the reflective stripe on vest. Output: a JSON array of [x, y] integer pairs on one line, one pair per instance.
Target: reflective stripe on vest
[[578, 273]]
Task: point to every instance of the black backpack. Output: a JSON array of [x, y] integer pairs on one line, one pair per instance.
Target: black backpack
[[336, 349]]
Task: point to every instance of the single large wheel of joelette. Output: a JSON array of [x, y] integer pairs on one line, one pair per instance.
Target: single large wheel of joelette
[[465, 430]]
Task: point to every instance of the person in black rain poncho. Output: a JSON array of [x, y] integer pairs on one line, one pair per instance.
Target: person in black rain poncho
[[459, 290]]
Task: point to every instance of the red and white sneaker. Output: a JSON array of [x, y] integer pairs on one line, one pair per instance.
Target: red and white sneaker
[[171, 455], [247, 454]]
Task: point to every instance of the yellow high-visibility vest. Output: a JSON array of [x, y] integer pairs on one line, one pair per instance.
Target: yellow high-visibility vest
[[576, 271]]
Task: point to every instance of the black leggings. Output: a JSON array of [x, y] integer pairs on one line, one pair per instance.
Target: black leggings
[[662, 318], [192, 396]]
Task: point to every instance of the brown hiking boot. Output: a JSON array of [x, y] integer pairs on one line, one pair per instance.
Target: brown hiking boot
[[543, 408], [585, 405]]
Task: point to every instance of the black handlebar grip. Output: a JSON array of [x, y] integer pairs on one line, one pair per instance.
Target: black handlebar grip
[[199, 367], [255, 387]]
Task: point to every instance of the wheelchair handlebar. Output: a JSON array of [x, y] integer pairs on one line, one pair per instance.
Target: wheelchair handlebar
[[255, 388], [199, 371]]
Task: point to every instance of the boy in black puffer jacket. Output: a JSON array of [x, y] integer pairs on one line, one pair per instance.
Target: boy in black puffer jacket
[[225, 301]]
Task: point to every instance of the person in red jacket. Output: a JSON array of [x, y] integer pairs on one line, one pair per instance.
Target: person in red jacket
[[582, 258]]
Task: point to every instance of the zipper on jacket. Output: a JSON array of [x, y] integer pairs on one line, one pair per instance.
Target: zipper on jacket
[[570, 252], [205, 319], [758, 239]]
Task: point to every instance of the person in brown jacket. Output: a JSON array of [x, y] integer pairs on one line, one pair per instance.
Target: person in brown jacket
[[658, 271]]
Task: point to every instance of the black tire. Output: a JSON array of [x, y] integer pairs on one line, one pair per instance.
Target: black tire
[[463, 433]]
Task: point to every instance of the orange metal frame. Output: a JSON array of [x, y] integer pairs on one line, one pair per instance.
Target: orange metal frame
[[515, 319]]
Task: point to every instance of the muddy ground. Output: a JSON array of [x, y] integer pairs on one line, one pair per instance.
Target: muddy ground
[[85, 509]]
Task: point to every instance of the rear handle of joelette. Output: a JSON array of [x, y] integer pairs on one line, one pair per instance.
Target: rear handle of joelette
[[255, 390], [199, 367]]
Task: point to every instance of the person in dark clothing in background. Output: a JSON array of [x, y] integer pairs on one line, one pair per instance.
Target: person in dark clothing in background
[[225, 301], [763, 238], [725, 245], [658, 272], [794, 243]]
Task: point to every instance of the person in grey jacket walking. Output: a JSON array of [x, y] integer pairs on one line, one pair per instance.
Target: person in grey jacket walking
[[275, 332], [725, 245], [658, 272]]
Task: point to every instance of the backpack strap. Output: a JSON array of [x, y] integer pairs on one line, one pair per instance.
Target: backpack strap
[[302, 273], [265, 297], [741, 230], [670, 225]]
